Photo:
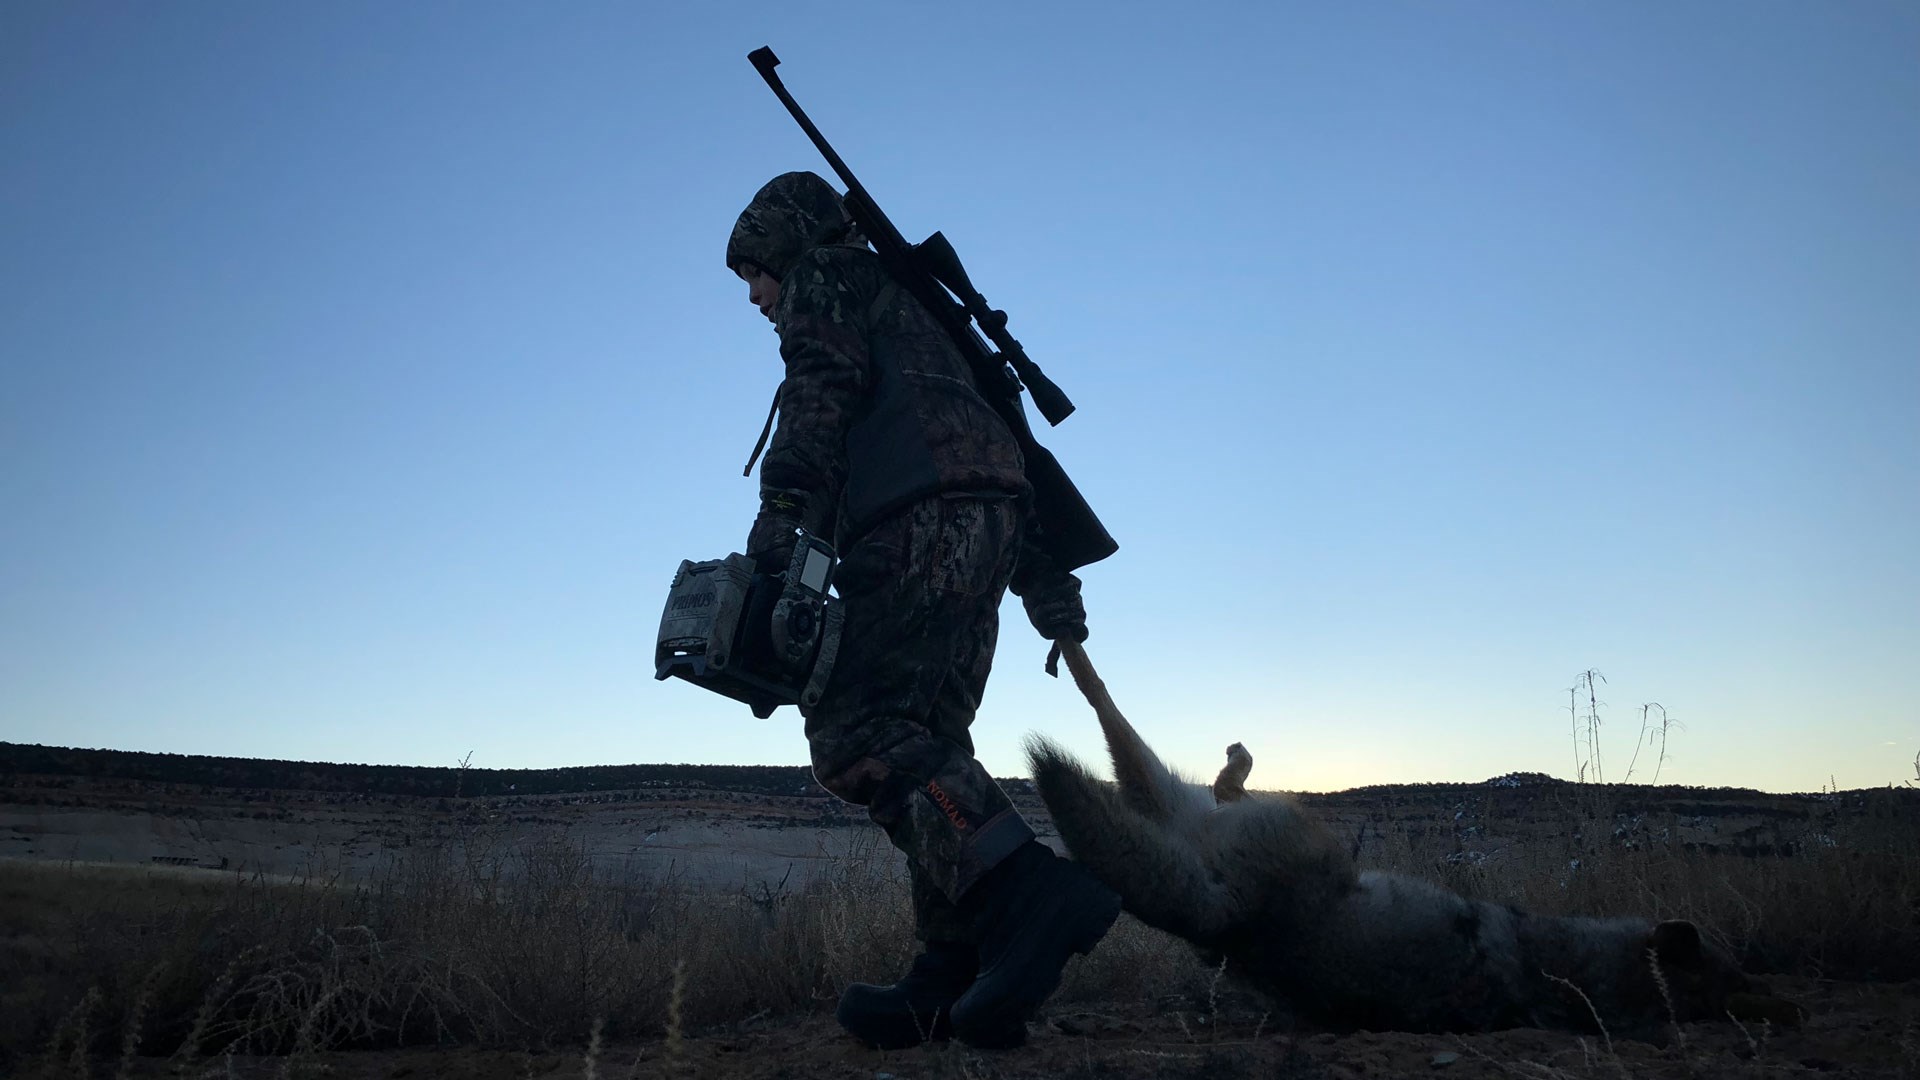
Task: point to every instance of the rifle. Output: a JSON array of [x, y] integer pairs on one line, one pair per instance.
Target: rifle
[[931, 271]]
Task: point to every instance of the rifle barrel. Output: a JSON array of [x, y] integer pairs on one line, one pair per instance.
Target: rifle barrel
[[764, 62]]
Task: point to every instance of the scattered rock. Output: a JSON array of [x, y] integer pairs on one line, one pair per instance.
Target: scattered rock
[[1090, 1025], [1444, 1058]]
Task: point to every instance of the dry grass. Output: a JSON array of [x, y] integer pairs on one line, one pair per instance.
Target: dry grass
[[536, 947], [1846, 905], [525, 949]]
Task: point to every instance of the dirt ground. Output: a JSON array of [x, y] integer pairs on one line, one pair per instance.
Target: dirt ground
[[1856, 1030]]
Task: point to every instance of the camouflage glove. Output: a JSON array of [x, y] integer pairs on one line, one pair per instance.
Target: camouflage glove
[[770, 542], [1054, 607]]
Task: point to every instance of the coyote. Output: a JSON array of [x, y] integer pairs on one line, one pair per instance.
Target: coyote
[[1259, 884]]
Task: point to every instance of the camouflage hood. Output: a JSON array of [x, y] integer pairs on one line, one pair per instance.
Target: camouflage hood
[[794, 212]]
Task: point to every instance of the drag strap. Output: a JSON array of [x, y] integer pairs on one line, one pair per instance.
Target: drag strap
[[1053, 660], [880, 304], [765, 430]]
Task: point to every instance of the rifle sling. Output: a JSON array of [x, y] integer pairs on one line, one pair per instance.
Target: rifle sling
[[879, 305], [765, 430]]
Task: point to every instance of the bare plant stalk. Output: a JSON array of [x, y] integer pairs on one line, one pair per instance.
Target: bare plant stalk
[[1667, 723], [74, 1026], [1213, 999], [1588, 680], [1666, 996], [210, 1004], [136, 1018], [1638, 741], [460, 773], [593, 1048], [1573, 725], [674, 1003], [1605, 1035]]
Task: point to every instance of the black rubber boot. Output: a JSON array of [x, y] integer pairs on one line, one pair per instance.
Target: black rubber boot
[[917, 1008], [1034, 911]]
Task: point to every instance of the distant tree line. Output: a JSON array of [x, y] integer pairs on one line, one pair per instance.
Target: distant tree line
[[409, 780]]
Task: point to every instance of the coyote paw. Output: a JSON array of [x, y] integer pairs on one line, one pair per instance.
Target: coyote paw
[[1231, 784]]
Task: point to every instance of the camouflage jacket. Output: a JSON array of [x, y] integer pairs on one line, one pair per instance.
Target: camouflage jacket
[[878, 408]]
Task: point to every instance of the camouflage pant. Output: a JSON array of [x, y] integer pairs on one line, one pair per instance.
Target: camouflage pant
[[922, 593]]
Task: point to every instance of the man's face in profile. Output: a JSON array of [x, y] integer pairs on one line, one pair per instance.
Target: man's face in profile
[[762, 290]]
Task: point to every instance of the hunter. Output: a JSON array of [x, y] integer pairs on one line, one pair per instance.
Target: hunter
[[886, 448]]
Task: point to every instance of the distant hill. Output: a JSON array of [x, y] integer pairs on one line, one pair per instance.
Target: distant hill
[[410, 780], [26, 759]]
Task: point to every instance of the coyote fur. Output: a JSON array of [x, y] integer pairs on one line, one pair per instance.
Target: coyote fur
[[1259, 884]]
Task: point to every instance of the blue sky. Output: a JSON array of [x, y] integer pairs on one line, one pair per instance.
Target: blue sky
[[367, 369]]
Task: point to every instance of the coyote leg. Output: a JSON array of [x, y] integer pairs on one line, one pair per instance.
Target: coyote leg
[[1144, 782]]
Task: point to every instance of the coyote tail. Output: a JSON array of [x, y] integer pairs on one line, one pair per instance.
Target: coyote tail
[[1158, 873]]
